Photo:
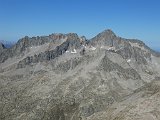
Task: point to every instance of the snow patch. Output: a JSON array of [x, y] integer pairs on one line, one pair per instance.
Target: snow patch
[[93, 48], [111, 48], [129, 60], [84, 45], [74, 51], [67, 51]]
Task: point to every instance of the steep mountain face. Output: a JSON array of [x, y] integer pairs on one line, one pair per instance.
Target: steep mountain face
[[67, 77]]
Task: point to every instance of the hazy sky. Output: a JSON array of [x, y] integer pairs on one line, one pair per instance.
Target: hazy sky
[[127, 18]]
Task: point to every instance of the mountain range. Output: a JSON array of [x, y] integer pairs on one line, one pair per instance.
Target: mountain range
[[68, 77]]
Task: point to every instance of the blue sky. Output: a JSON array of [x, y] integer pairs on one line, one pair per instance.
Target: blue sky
[[127, 18]]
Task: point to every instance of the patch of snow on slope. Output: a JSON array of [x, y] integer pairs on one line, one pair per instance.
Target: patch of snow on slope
[[74, 51], [129, 60], [93, 48]]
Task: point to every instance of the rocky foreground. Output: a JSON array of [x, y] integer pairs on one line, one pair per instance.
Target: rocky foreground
[[67, 77]]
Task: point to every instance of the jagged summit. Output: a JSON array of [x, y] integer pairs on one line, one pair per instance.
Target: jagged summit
[[60, 43], [105, 35], [108, 32], [40, 40]]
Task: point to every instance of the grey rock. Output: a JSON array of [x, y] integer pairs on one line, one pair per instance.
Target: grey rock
[[72, 42], [122, 46], [108, 66], [104, 38]]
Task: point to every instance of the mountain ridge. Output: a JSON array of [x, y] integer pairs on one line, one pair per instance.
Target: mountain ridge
[[57, 37]]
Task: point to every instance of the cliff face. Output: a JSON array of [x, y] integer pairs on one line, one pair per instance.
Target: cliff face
[[66, 77]]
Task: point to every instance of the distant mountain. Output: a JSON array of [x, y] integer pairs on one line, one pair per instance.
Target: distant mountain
[[67, 77], [2, 47], [7, 44]]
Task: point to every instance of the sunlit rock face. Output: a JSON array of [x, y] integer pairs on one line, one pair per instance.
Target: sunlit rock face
[[67, 77]]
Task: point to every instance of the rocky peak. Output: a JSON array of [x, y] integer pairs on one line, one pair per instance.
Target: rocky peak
[[106, 38], [57, 36], [83, 38], [127, 48], [60, 43], [108, 32], [72, 36]]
